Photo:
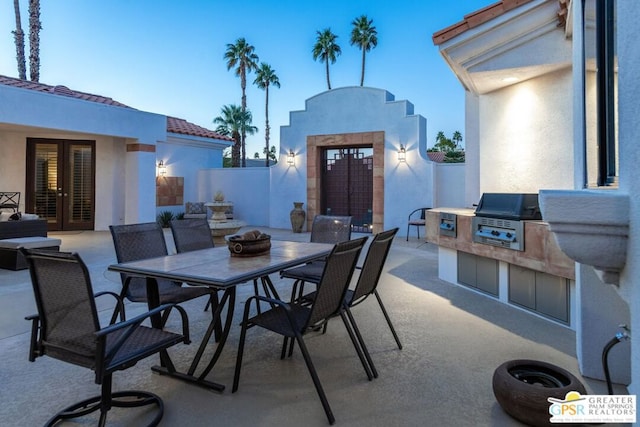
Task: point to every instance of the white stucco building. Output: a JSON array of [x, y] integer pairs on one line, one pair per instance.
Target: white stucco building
[[45, 130], [529, 70]]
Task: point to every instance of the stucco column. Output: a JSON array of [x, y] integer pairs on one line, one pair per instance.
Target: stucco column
[[140, 184]]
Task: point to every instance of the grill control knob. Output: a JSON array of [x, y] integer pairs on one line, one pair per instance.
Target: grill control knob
[[495, 232], [509, 235]]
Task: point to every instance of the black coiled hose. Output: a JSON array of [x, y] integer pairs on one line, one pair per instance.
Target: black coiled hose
[[605, 358]]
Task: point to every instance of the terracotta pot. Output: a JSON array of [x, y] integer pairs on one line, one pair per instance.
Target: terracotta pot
[[297, 216]]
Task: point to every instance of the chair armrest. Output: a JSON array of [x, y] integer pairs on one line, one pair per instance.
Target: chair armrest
[[119, 304], [34, 346], [135, 322]]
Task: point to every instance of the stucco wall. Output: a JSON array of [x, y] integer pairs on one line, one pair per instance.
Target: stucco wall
[[247, 188], [109, 172], [186, 159], [525, 139], [628, 15], [450, 179], [357, 109]]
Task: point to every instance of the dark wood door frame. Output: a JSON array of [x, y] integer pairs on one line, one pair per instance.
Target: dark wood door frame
[[315, 145], [70, 203]]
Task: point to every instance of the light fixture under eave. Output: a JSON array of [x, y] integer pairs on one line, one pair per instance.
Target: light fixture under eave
[[162, 169], [402, 154], [291, 158]]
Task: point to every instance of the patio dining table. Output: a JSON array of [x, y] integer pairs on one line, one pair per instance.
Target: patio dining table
[[216, 268]]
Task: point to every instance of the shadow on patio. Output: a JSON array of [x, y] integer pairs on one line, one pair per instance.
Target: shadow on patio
[[453, 340]]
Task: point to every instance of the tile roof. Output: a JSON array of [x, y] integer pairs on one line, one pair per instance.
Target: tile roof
[[174, 124], [488, 13], [184, 127], [436, 156], [58, 90]]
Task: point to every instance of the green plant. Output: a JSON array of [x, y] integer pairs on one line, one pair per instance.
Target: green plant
[[180, 215], [164, 218]]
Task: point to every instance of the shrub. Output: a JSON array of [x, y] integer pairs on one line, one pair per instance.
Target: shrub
[[164, 218]]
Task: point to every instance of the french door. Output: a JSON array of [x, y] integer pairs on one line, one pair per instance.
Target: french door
[[347, 185], [60, 183]]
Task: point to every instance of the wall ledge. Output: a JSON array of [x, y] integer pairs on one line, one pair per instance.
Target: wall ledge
[[591, 227]]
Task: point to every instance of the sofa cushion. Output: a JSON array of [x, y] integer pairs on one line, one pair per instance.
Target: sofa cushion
[[195, 208]]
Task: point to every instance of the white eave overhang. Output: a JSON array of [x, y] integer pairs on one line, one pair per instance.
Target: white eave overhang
[[518, 45]]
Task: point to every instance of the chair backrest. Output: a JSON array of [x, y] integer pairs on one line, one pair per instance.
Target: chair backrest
[[65, 303], [331, 229], [373, 264], [191, 234], [134, 242], [336, 276]]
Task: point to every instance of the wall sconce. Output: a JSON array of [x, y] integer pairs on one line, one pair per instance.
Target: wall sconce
[[402, 154], [162, 169], [291, 158]]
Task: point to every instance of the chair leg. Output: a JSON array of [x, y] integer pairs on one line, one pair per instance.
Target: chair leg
[[386, 316], [117, 311], [243, 335], [255, 292], [213, 302], [106, 400], [316, 380], [358, 344], [408, 232]]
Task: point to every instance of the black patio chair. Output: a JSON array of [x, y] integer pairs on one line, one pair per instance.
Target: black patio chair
[[325, 229], [417, 221], [294, 320], [134, 242], [67, 328], [193, 234], [366, 285]]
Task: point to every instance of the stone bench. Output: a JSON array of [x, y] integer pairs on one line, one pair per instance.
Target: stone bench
[[12, 259]]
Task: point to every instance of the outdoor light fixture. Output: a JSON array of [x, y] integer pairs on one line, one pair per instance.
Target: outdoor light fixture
[[291, 158], [162, 169], [402, 154]]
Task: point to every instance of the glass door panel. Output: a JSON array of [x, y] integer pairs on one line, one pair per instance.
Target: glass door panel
[[60, 182]]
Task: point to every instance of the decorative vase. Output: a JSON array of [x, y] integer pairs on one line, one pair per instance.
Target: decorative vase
[[297, 216]]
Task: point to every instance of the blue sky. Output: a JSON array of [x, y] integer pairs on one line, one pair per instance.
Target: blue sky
[[166, 56]]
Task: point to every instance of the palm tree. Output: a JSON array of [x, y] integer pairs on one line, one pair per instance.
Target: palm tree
[[326, 49], [18, 35], [266, 76], [365, 36], [234, 122], [34, 40], [241, 55]]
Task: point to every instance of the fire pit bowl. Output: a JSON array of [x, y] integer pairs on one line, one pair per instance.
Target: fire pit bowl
[[251, 243]]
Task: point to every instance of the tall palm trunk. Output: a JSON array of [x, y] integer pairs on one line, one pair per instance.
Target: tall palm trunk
[[328, 81], [235, 149], [34, 40], [19, 39], [243, 136], [266, 125], [362, 73]]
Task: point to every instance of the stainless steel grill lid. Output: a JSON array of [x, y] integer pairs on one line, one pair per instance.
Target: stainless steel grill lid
[[511, 206]]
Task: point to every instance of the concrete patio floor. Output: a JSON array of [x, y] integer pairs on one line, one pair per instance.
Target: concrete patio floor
[[453, 340]]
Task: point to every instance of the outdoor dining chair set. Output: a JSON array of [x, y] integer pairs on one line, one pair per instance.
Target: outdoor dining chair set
[[123, 343]]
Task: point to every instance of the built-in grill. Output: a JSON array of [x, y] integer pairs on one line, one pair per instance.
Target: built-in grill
[[498, 219]]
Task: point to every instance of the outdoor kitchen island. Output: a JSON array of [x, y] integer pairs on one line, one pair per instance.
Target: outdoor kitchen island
[[538, 276]]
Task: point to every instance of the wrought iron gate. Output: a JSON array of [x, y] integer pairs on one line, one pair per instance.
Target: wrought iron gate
[[347, 185]]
